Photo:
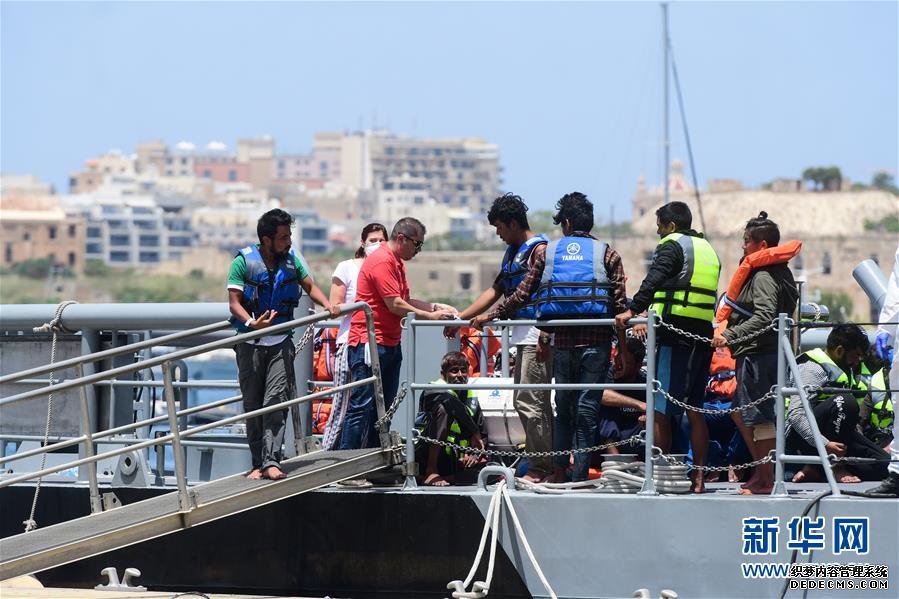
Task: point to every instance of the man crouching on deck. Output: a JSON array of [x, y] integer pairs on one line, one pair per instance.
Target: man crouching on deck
[[444, 416]]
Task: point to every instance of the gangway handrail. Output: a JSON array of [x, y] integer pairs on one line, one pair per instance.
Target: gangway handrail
[[175, 435], [190, 432], [70, 441], [176, 355], [112, 353], [198, 384]]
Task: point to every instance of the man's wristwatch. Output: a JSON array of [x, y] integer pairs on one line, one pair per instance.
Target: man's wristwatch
[[249, 322], [543, 340]]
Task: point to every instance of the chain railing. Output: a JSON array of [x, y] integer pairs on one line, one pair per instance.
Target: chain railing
[[672, 461], [730, 342], [634, 440], [778, 456], [384, 421]]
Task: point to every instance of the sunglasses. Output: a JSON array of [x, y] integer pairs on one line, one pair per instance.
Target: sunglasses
[[415, 242]]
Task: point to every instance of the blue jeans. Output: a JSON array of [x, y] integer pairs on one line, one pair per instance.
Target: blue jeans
[[359, 424], [577, 412]]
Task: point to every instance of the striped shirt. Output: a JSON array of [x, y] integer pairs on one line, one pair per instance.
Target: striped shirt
[[568, 337], [812, 374]]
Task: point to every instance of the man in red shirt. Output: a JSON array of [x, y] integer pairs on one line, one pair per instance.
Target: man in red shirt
[[382, 285]]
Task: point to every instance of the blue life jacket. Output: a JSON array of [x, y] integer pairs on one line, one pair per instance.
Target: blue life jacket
[[575, 283], [515, 267], [261, 294]]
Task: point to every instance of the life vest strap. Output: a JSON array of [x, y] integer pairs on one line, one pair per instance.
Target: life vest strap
[[737, 307]]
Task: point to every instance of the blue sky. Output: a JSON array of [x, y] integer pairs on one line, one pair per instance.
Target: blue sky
[[570, 91]]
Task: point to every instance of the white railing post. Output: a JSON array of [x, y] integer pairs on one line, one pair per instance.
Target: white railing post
[[87, 430], [649, 487], [780, 489], [810, 415], [505, 351], [180, 475], [411, 467]]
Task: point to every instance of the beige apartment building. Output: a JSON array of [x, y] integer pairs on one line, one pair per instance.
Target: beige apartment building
[[460, 173], [37, 227]]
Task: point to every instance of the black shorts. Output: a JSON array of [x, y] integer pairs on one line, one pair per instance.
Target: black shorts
[[756, 374]]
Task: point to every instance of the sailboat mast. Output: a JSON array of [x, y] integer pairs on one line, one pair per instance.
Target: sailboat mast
[[666, 142]]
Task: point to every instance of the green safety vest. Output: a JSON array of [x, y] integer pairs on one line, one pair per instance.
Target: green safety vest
[[692, 293], [835, 375], [882, 415], [455, 431]]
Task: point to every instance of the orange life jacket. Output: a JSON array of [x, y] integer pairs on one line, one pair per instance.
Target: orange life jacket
[[471, 341], [779, 254], [324, 348], [722, 381], [321, 411]]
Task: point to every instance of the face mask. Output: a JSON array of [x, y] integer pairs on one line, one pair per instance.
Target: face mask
[[371, 247]]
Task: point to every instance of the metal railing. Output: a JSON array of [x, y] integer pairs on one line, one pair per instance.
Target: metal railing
[[175, 435], [412, 323], [786, 363]]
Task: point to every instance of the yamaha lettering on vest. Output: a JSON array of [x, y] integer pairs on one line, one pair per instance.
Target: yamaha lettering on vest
[[575, 283]]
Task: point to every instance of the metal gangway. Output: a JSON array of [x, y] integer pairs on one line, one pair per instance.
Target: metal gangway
[[103, 531]]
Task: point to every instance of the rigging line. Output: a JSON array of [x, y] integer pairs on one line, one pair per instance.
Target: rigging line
[[683, 116], [619, 125]]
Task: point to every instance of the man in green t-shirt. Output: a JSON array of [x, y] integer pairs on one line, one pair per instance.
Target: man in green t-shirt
[[264, 286]]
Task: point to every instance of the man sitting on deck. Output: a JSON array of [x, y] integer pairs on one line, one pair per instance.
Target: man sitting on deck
[[835, 413], [444, 416]]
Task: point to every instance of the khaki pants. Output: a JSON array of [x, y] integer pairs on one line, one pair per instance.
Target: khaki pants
[[534, 407]]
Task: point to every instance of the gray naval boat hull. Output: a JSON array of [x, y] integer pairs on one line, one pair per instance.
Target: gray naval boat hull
[[411, 543], [599, 545]]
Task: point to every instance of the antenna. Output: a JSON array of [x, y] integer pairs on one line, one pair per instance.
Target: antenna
[[683, 116], [666, 142]]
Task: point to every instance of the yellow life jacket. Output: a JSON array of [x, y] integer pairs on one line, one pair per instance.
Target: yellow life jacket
[[693, 291]]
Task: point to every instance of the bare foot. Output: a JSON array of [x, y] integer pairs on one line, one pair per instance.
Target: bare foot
[[807, 474], [255, 474], [698, 479], [535, 477], [435, 480], [273, 473], [844, 476], [761, 488], [752, 480]]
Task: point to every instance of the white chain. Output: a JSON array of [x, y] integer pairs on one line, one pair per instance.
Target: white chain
[[379, 424], [677, 402], [530, 454], [702, 339], [675, 462], [307, 335]]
